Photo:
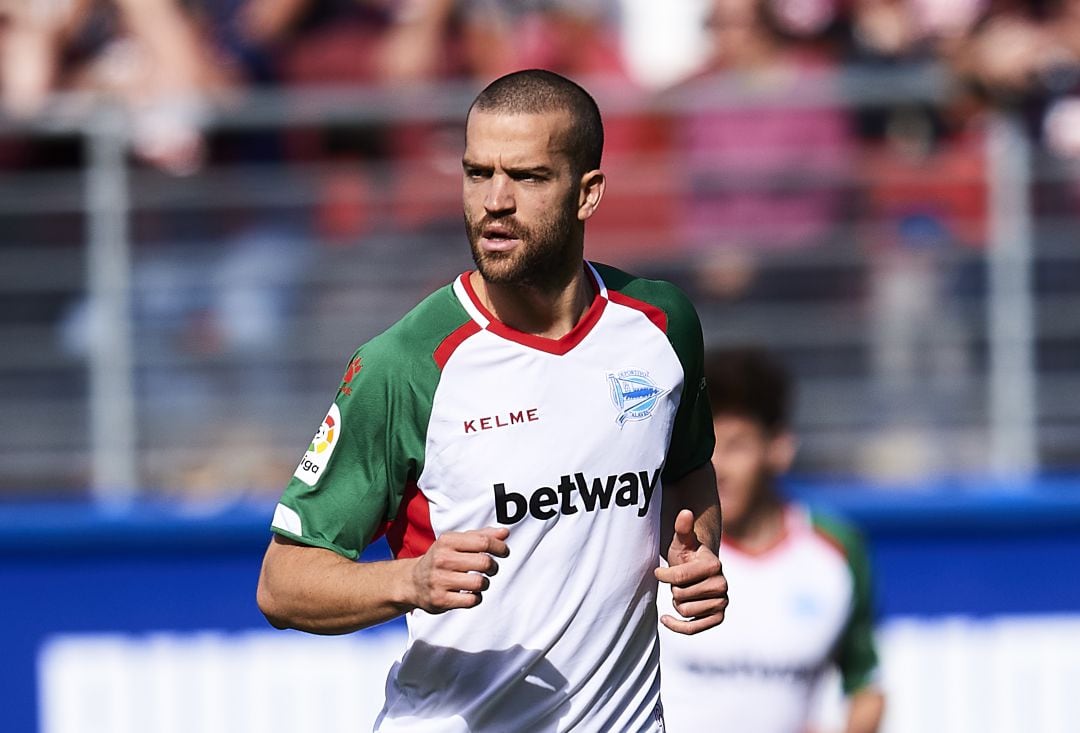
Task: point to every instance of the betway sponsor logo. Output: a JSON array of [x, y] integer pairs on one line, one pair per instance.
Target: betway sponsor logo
[[578, 493]]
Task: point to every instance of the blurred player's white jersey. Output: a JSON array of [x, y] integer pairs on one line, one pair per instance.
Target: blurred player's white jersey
[[796, 608], [451, 421]]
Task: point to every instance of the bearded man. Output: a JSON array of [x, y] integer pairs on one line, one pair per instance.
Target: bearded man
[[531, 438]]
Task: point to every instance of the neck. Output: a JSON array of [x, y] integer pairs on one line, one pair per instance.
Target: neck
[[761, 527], [549, 312]]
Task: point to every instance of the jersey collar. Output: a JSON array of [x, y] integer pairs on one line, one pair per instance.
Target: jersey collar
[[467, 295]]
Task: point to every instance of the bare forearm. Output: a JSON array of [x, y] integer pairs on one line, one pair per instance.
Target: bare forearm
[[697, 492], [865, 712], [318, 591], [707, 526]]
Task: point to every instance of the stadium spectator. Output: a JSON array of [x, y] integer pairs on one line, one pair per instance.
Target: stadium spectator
[[151, 54], [488, 39], [568, 36], [513, 374], [350, 41], [923, 170], [1017, 49], [802, 593], [760, 178], [1026, 57]]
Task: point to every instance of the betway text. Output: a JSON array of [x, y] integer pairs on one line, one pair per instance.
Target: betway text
[[576, 493]]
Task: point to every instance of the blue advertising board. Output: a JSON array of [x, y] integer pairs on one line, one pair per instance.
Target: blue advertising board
[[76, 569]]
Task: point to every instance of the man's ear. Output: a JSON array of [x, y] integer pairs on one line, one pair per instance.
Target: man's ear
[[781, 452], [590, 191]]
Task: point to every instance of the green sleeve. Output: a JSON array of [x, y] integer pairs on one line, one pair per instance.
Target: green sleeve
[[692, 439], [855, 653], [344, 496], [692, 436]]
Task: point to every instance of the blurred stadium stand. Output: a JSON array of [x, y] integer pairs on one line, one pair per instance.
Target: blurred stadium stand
[[179, 336]]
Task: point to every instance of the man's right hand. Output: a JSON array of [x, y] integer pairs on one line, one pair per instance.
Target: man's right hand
[[454, 571]]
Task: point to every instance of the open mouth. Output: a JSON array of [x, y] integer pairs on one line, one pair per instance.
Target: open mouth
[[498, 239]]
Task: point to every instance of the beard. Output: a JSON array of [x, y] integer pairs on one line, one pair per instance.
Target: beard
[[546, 257]]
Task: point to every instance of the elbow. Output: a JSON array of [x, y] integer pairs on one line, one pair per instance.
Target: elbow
[[271, 609]]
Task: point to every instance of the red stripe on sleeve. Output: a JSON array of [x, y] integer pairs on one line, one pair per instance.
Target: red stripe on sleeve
[[831, 540], [654, 314], [454, 340], [410, 534]]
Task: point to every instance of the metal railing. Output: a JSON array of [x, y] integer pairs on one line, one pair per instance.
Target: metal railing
[[123, 382]]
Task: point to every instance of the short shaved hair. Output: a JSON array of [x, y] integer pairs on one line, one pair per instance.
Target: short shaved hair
[[537, 91]]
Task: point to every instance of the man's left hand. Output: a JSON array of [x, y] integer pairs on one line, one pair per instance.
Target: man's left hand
[[699, 589]]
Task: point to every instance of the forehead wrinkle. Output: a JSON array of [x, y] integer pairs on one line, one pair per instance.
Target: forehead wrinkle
[[525, 131]]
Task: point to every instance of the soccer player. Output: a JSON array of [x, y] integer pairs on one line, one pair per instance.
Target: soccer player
[[803, 596], [531, 438]]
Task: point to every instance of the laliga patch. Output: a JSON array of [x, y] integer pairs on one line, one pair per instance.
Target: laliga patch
[[635, 394], [322, 447]]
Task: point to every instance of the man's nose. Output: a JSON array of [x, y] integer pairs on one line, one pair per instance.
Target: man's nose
[[500, 196]]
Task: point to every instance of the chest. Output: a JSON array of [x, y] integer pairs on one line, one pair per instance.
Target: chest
[[561, 433], [788, 609]]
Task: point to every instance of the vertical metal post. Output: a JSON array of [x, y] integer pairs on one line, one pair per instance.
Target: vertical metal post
[[1013, 447], [112, 400]]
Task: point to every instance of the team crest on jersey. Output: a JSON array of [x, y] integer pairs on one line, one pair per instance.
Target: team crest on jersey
[[322, 447], [635, 394]]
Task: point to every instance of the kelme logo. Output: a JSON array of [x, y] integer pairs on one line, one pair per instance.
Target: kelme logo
[[635, 394], [322, 446]]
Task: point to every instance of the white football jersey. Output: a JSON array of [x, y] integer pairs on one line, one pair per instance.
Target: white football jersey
[[452, 421], [796, 608]]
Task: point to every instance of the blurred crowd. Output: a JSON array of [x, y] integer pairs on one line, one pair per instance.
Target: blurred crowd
[[725, 186], [753, 176], [168, 59], [173, 61]]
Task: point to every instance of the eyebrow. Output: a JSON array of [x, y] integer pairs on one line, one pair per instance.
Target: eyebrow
[[540, 170], [535, 170]]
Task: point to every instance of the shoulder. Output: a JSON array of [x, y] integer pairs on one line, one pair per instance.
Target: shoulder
[[833, 527], [646, 293], [412, 342], [405, 357], [843, 535]]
